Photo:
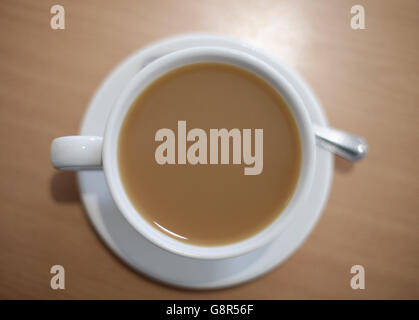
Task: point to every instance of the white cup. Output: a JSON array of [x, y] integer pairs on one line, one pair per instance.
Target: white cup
[[87, 152]]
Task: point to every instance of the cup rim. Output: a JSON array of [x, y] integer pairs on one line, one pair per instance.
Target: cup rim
[[148, 75]]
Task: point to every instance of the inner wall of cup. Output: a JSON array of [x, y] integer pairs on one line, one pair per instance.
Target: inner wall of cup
[[134, 90]]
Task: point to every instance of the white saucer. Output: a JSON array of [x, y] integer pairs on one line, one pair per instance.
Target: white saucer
[[157, 263]]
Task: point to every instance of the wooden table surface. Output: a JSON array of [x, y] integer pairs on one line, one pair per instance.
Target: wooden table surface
[[366, 79]]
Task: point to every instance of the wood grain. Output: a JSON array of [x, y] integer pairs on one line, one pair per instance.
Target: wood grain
[[367, 81]]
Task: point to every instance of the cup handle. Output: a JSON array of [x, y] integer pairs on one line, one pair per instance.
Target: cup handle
[[77, 153]]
